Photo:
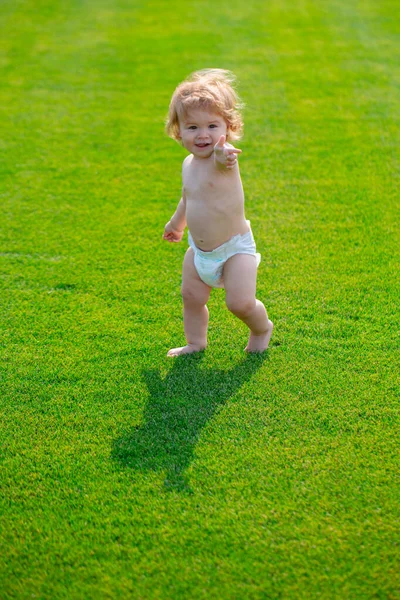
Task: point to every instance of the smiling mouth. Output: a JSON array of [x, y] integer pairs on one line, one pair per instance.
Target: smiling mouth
[[203, 145]]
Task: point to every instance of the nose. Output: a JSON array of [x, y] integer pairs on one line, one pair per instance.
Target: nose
[[202, 133]]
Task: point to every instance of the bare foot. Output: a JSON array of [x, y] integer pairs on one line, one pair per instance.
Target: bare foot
[[189, 349], [259, 343]]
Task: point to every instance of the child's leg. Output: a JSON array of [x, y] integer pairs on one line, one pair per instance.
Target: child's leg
[[195, 294], [240, 277]]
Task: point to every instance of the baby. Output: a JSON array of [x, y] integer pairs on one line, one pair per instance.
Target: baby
[[204, 117]]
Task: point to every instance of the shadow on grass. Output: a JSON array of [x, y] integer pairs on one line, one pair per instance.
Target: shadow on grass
[[178, 408]]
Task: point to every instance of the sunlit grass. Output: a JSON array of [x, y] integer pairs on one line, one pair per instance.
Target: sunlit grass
[[125, 474]]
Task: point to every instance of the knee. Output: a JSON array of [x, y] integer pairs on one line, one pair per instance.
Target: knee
[[190, 298], [241, 307]]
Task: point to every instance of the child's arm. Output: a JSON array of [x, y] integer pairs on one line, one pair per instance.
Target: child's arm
[[225, 155], [173, 231]]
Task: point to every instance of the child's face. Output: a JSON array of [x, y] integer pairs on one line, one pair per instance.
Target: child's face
[[200, 130]]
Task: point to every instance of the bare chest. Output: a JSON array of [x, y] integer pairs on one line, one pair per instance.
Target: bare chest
[[203, 183]]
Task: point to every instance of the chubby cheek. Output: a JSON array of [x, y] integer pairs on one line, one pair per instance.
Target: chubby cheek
[[188, 140]]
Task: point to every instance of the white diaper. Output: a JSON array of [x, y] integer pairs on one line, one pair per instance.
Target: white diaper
[[210, 265]]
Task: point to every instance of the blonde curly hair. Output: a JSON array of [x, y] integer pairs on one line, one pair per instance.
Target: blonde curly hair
[[208, 89]]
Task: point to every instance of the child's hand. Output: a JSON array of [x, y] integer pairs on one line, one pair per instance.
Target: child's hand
[[226, 154], [171, 234]]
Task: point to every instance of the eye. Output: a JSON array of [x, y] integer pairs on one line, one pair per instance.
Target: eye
[[192, 127], [213, 126]]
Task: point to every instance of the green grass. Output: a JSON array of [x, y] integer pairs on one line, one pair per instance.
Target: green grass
[[128, 475]]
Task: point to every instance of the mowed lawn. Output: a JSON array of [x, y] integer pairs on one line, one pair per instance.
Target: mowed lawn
[[125, 474]]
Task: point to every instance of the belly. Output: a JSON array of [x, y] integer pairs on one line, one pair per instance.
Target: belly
[[211, 226]]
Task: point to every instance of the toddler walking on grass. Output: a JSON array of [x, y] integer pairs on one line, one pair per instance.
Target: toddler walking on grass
[[204, 116]]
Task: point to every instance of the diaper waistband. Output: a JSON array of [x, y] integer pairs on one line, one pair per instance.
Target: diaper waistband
[[225, 250]]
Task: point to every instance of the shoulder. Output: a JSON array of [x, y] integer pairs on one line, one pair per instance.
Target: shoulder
[[187, 161], [187, 166]]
